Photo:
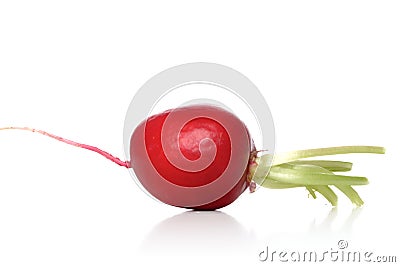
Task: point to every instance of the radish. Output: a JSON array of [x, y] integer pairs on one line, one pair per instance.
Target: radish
[[202, 165], [202, 157]]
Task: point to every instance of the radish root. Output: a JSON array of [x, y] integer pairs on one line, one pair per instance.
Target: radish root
[[73, 143]]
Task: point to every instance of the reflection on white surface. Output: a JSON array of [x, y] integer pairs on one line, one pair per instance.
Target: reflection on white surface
[[319, 234], [209, 234], [216, 235], [326, 226]]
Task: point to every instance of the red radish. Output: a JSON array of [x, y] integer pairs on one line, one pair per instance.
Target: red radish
[[191, 186], [203, 157]]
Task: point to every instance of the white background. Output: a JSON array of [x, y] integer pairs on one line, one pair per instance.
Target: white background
[[329, 70]]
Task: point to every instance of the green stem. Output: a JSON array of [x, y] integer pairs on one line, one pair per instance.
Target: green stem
[[311, 191], [331, 165], [265, 162], [351, 194], [273, 184], [327, 192], [288, 170], [304, 177], [308, 153]]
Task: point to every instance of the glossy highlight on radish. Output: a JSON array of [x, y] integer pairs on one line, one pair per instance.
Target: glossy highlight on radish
[[202, 157]]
